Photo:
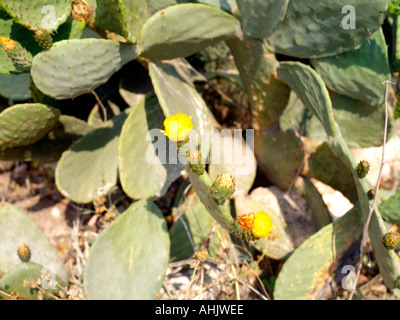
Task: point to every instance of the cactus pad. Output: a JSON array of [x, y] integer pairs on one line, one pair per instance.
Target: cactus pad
[[184, 29], [280, 156], [309, 271], [16, 227], [357, 73], [24, 124], [260, 17], [142, 160], [99, 149], [315, 30], [231, 153], [121, 264], [175, 91], [124, 17], [38, 14], [60, 72], [311, 89], [15, 86], [19, 56], [21, 276]]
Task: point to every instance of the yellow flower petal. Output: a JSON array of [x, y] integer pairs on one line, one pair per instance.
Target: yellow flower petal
[[178, 127], [262, 226]]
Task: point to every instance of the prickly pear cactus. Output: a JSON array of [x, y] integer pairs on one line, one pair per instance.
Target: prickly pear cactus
[[304, 114]]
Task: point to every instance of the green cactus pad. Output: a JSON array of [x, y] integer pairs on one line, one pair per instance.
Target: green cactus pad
[[39, 97], [129, 259], [11, 30], [295, 116], [144, 172], [199, 224], [280, 155], [67, 130], [184, 29], [226, 5], [20, 57], [98, 150], [311, 90], [124, 17], [390, 208], [268, 95], [361, 124], [231, 153], [175, 92], [325, 166], [315, 30], [24, 124], [358, 73], [16, 227], [15, 86], [17, 279], [40, 14], [309, 271], [74, 67], [315, 201], [260, 17], [72, 29], [279, 244]]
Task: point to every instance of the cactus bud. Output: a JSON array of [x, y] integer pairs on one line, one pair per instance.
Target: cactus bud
[[237, 230], [195, 163], [24, 253], [362, 169], [391, 240], [223, 187], [371, 194], [21, 58], [44, 39]]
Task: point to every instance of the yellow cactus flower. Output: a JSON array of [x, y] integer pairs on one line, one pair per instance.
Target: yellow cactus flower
[[262, 225], [178, 127], [8, 44]]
